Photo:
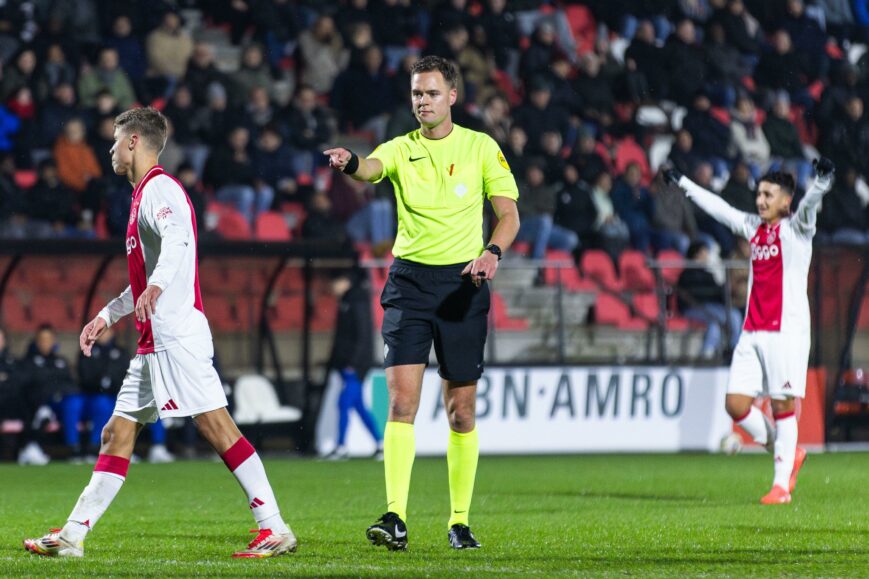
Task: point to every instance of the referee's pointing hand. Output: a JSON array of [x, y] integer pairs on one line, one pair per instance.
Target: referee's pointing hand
[[338, 158], [483, 268]]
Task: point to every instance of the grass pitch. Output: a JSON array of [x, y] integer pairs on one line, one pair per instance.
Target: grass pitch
[[651, 515]]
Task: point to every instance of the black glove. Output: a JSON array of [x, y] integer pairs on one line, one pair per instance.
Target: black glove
[[672, 176], [823, 167]]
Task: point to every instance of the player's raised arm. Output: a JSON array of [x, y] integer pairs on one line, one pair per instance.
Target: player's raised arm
[[350, 163], [739, 222], [807, 212]]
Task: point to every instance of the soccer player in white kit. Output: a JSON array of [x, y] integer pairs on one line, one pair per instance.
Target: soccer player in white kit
[[172, 374], [772, 355]]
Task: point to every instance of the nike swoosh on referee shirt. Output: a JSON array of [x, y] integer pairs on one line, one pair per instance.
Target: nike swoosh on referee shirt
[[414, 160]]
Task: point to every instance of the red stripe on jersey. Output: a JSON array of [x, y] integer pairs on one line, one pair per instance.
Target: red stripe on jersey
[[237, 454], [197, 300], [136, 260], [114, 464], [767, 286]]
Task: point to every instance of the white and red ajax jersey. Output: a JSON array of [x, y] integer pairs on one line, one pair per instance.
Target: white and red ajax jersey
[[161, 251], [780, 257]]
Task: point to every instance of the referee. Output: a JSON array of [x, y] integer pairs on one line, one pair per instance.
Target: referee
[[436, 291]]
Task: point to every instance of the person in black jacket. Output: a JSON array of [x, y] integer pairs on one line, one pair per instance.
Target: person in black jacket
[[352, 355], [702, 299], [46, 380]]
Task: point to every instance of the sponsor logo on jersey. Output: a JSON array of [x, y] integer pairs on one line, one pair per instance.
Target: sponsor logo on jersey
[[764, 252], [131, 244], [164, 212]]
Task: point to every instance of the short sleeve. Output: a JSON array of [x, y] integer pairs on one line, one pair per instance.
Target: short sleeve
[[386, 154], [498, 180]]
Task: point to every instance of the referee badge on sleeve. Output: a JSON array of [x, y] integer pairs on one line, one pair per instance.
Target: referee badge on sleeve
[[502, 160]]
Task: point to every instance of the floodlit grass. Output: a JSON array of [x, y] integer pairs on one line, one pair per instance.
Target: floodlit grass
[[652, 515]]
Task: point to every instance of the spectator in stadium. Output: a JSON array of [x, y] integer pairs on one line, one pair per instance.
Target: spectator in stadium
[[537, 201], [56, 113], [551, 153], [258, 110], [198, 197], [845, 81], [645, 56], [230, 172], [77, 165], [739, 190], [747, 136], [542, 52], [741, 29], [107, 74], [368, 78], [496, 118], [219, 116], [593, 91], [169, 48], [711, 136], [838, 17], [635, 206], [785, 147], [674, 223], [682, 155], [395, 23], [502, 34], [13, 219], [575, 209], [309, 125], [808, 39], [725, 65], [683, 63], [514, 152], [45, 379], [847, 137], [10, 125], [353, 355], [350, 16], [702, 299], [707, 225], [254, 71], [187, 119], [588, 161], [131, 52], [50, 204], [538, 115], [22, 73], [273, 164], [322, 54], [55, 71], [843, 217], [472, 63], [320, 223], [202, 74], [782, 69]]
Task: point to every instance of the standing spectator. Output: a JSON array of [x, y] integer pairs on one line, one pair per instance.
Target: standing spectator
[[702, 299], [230, 171], [106, 75]]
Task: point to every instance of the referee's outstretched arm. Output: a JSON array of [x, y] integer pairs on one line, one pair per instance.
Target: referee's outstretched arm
[[351, 164]]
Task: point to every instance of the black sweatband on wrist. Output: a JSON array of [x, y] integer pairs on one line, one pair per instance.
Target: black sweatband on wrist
[[352, 165]]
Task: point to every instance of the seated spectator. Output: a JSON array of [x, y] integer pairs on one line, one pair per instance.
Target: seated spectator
[[168, 48], [843, 217], [544, 49], [56, 70], [847, 137], [675, 226], [23, 72], [368, 78], [785, 147], [107, 74], [683, 63], [254, 71], [713, 230], [594, 92], [202, 74], [273, 163], [320, 224], [588, 161], [514, 152], [702, 299], [56, 113], [575, 209], [322, 54], [747, 136], [538, 115], [613, 233], [131, 53], [50, 204], [496, 118], [537, 202], [711, 137], [46, 380], [739, 190], [230, 172], [309, 127], [635, 206], [77, 165], [682, 154], [259, 111], [644, 56], [473, 67], [782, 69]]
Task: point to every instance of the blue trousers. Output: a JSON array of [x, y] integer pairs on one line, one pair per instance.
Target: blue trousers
[[351, 399], [98, 409]]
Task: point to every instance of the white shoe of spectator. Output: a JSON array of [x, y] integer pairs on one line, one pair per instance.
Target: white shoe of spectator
[[33, 454], [159, 454]]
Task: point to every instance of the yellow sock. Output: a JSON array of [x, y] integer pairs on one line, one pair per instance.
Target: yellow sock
[[463, 450], [399, 449]]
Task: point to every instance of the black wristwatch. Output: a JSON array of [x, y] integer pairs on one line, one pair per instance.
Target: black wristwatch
[[495, 250]]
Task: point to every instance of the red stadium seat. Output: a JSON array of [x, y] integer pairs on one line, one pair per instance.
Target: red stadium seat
[[271, 226], [611, 311], [582, 26], [232, 224], [295, 215], [671, 274], [569, 277], [627, 151], [635, 273], [502, 318], [597, 266], [26, 178]]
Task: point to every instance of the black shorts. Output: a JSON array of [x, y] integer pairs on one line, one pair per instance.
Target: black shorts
[[435, 303]]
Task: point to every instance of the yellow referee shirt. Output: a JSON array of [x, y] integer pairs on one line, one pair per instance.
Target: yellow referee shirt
[[440, 186]]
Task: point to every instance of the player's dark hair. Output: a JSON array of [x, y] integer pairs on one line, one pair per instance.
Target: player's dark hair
[[695, 248], [436, 64], [148, 123], [782, 179]]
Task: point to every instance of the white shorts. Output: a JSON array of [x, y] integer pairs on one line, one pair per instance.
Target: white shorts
[[770, 363], [169, 383]]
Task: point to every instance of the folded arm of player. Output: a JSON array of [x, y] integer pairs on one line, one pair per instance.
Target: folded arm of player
[[806, 214], [739, 222]]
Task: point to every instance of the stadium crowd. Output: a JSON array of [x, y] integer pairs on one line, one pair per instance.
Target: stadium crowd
[[587, 100]]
